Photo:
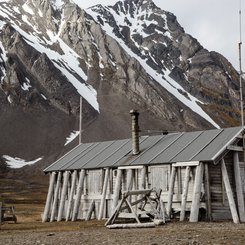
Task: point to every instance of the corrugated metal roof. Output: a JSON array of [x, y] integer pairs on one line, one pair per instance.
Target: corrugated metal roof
[[175, 147]]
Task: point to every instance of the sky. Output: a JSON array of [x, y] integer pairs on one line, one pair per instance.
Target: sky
[[214, 23]]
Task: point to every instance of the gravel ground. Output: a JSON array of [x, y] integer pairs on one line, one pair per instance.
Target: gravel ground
[[94, 232]]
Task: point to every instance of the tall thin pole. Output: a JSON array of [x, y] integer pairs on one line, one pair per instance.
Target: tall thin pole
[[240, 65], [80, 120]]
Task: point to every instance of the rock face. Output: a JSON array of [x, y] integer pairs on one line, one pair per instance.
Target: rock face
[[130, 55]]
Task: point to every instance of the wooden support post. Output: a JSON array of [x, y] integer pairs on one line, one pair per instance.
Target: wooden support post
[[179, 183], [129, 179], [103, 198], [63, 195], [171, 191], [1, 205], [78, 196], [195, 205], [91, 210], [117, 189], [229, 192], [185, 193], [142, 179], [207, 192], [56, 194], [70, 200], [49, 197], [239, 191]]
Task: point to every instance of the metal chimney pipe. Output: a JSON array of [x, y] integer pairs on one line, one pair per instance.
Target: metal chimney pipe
[[135, 132]]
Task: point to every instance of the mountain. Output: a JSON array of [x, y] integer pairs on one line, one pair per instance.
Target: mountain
[[130, 55]]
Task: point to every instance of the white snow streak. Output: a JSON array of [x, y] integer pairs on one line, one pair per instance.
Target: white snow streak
[[71, 137], [15, 162], [67, 63], [169, 84], [27, 9]]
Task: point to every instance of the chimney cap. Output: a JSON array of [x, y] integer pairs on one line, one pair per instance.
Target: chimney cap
[[133, 111]]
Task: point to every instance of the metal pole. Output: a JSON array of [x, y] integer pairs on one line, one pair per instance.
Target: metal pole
[[80, 120], [240, 65]]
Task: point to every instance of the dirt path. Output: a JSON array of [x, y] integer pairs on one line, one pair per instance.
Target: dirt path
[[94, 232]]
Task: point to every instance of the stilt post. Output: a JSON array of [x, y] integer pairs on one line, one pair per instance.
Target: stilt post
[[117, 189], [63, 195], [171, 191], [229, 192], [56, 194], [195, 205], [79, 194], [49, 197], [185, 193], [70, 200], [103, 198]]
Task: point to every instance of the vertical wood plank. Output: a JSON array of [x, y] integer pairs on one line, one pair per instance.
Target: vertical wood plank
[[71, 195], [195, 205], [117, 189], [229, 192], [1, 205], [185, 193], [142, 178], [171, 191], [90, 211], [78, 195], [239, 191], [207, 192], [103, 198], [56, 195], [49, 197], [129, 179], [63, 195]]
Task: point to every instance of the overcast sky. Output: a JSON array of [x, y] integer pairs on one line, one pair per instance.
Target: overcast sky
[[215, 23]]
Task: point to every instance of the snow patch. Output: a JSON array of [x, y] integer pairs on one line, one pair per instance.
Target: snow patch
[[44, 97], [40, 13], [167, 82], [27, 9], [71, 137], [15, 162]]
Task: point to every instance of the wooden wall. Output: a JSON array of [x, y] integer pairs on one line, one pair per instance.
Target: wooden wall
[[93, 192]]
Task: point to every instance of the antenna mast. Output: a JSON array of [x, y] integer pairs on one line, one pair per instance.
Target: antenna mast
[[80, 120], [240, 65]]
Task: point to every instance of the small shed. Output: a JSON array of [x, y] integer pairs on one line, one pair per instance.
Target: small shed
[[201, 175]]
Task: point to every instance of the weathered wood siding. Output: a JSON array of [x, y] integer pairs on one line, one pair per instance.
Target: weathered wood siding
[[219, 202]]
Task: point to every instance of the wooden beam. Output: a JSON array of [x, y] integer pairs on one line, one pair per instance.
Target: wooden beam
[[91, 210], [185, 193], [78, 196], [171, 191], [131, 167], [1, 205], [117, 189], [71, 195], [103, 198], [137, 225], [63, 195], [207, 192], [129, 179], [185, 164], [195, 205], [235, 148], [142, 178], [239, 190], [49, 197], [56, 194], [229, 192]]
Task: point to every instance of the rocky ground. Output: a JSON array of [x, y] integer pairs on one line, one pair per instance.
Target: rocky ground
[[30, 230]]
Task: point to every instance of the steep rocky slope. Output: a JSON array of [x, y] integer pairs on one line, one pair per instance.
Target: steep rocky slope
[[130, 55]]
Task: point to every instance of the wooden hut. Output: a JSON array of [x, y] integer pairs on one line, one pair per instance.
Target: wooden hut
[[201, 175]]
